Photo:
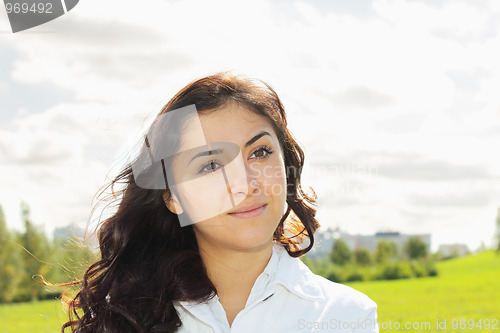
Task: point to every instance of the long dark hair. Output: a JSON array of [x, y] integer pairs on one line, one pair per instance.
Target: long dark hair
[[147, 260]]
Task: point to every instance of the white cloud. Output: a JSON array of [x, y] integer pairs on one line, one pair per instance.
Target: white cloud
[[3, 86], [57, 160]]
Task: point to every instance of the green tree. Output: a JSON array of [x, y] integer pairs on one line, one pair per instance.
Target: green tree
[[498, 231], [415, 248], [36, 252], [11, 268], [385, 251], [68, 261], [341, 254], [4, 233], [362, 257]]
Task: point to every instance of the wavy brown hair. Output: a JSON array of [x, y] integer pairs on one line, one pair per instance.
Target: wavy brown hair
[[147, 260]]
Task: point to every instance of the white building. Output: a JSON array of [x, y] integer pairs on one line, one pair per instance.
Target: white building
[[324, 241], [453, 250]]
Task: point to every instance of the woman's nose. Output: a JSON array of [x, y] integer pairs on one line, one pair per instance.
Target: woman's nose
[[241, 180]]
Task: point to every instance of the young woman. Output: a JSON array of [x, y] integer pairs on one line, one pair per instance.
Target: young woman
[[210, 224]]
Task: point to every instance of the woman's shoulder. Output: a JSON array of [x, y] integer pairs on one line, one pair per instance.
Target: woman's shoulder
[[320, 301]]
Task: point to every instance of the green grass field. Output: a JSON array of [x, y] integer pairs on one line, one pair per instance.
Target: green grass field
[[466, 289], [37, 317]]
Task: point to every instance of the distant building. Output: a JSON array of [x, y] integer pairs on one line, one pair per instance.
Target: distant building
[[69, 231], [75, 232], [324, 240], [453, 250]]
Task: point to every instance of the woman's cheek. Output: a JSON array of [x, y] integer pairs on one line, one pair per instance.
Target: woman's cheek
[[274, 179], [204, 198]]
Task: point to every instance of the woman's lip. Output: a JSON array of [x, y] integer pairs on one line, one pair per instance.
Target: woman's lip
[[251, 213]]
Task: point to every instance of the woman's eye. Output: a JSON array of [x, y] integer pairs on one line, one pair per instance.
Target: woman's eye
[[212, 166], [209, 167], [262, 152]]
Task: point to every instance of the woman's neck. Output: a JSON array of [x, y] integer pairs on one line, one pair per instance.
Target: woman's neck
[[234, 272]]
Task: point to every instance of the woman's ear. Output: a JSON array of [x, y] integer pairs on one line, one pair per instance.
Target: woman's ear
[[172, 202]]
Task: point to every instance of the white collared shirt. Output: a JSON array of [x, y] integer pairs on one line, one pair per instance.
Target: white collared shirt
[[286, 298]]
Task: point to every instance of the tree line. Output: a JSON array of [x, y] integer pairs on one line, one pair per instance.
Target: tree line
[[29, 258], [385, 263]]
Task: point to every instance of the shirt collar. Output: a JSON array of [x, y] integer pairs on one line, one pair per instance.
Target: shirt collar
[[295, 276], [282, 269]]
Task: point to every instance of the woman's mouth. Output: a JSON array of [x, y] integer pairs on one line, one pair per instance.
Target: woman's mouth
[[249, 214]]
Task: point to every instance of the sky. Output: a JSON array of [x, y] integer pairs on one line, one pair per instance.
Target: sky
[[395, 103]]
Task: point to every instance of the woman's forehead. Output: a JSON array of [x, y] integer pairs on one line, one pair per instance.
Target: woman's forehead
[[232, 123]]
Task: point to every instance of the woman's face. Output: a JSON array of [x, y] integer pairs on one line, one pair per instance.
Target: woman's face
[[233, 189]]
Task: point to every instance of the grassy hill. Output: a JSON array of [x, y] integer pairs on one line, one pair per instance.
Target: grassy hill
[[466, 289]]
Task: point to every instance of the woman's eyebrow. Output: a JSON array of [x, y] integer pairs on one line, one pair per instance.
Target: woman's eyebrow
[[257, 137], [207, 153], [220, 151]]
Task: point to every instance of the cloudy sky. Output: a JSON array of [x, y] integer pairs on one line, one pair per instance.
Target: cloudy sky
[[395, 102]]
